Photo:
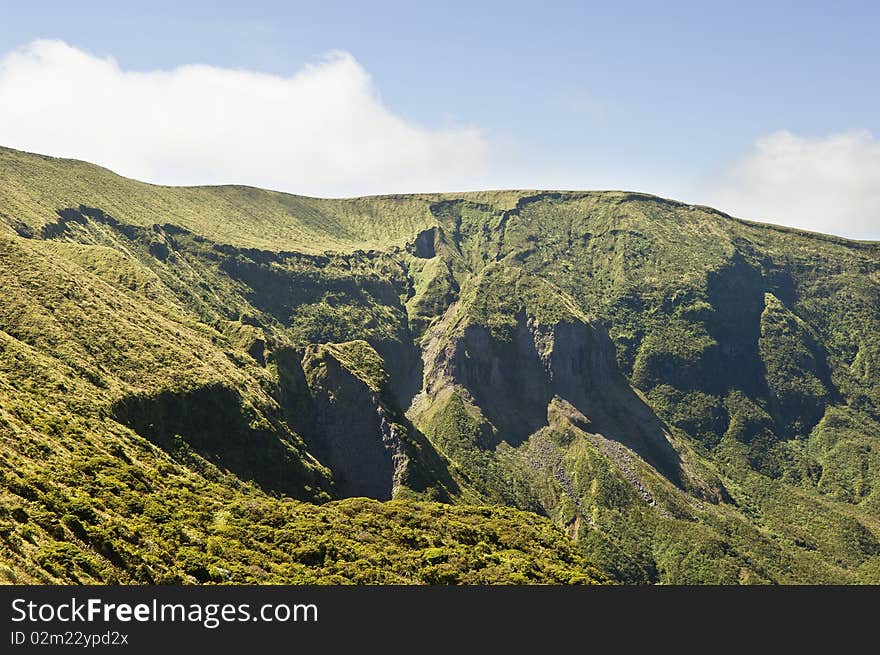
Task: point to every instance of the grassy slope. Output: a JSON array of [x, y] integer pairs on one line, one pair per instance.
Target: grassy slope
[[98, 314], [93, 318], [85, 499], [240, 216]]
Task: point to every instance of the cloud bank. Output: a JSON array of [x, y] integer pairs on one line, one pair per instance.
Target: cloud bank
[[829, 185], [322, 131]]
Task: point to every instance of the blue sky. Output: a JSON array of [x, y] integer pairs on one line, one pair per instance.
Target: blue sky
[[769, 110]]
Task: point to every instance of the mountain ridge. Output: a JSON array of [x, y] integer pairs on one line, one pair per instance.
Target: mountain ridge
[[502, 197]]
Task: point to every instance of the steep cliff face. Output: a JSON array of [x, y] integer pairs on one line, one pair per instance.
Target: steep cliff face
[[353, 433], [544, 354], [341, 401]]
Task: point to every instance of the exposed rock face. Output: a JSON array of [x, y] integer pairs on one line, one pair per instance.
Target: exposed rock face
[[424, 245], [353, 431], [508, 381], [514, 381]]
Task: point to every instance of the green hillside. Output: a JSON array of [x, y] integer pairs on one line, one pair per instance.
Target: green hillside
[[203, 384]]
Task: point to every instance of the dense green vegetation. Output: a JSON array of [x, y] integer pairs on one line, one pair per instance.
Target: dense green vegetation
[[193, 380]]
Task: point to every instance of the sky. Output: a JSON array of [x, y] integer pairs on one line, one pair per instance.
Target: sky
[[765, 110]]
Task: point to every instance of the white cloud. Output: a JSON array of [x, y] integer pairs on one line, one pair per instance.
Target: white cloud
[[322, 131], [829, 185]]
